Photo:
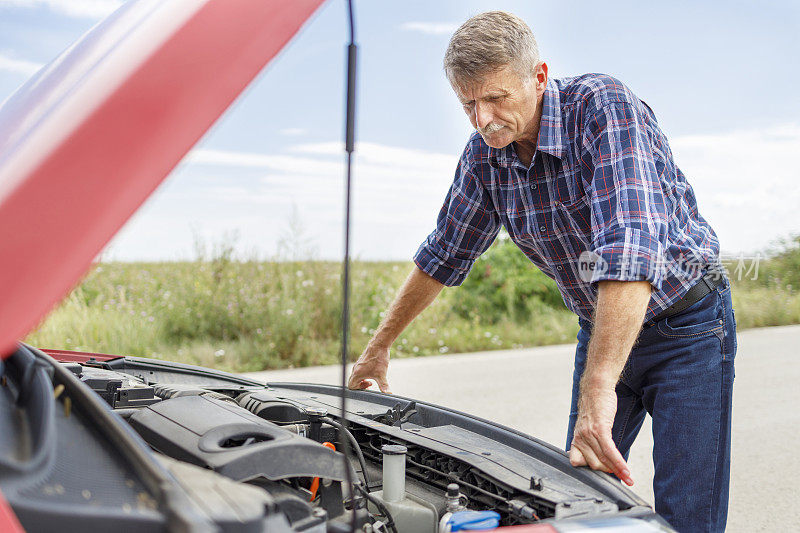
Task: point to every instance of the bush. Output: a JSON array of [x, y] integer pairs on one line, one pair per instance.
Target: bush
[[782, 269], [253, 315], [504, 284]]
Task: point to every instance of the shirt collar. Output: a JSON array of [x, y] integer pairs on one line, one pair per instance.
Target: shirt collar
[[551, 135]]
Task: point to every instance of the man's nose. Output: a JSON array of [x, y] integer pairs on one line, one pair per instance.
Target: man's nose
[[483, 115]]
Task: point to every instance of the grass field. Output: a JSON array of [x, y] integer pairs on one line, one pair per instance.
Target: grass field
[[254, 315]]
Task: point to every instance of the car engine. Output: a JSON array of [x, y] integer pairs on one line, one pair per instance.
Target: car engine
[[138, 444]]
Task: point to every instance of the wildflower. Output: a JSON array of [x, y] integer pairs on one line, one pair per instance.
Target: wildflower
[[219, 353]]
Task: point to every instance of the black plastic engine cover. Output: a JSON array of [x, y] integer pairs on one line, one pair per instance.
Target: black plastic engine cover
[[269, 406], [232, 441], [117, 389]]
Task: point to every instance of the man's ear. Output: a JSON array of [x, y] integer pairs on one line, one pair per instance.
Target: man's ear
[[541, 78]]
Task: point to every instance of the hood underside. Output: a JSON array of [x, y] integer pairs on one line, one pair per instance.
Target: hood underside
[[86, 140]]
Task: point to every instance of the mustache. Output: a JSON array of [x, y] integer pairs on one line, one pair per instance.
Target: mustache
[[490, 128]]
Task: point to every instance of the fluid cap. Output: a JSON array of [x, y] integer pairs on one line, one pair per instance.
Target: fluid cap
[[394, 449], [452, 490], [315, 412], [474, 521]]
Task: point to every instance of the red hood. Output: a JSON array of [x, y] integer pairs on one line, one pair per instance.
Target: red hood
[[88, 138]]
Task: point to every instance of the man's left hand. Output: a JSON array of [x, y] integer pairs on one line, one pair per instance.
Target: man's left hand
[[592, 444]]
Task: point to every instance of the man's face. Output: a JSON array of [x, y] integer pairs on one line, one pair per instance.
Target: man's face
[[501, 106]]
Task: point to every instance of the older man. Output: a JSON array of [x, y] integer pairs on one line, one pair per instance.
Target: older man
[[582, 177]]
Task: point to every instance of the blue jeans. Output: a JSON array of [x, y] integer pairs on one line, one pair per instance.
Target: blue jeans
[[680, 371]]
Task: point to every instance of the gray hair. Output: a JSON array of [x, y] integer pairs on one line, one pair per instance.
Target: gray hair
[[487, 43]]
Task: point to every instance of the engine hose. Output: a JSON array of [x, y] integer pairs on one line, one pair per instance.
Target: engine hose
[[354, 443], [382, 508]]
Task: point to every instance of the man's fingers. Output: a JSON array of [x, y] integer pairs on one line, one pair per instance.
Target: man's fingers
[[589, 456], [354, 382], [576, 457], [357, 381], [602, 454], [613, 459], [383, 385]]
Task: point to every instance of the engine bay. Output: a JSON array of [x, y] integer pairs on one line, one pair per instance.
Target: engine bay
[[249, 455]]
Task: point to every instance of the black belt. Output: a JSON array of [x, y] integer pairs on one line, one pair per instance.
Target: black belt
[[711, 278]]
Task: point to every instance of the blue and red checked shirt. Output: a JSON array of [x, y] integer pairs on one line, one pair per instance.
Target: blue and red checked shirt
[[602, 185]]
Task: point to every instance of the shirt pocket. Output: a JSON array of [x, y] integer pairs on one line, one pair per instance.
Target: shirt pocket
[[572, 220]]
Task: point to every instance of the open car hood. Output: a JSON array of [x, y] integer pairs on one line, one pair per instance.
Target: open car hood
[[86, 140]]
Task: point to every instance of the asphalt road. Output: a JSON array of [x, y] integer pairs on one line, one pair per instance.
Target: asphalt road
[[530, 390]]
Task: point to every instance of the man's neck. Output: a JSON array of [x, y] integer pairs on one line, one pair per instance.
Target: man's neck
[[525, 146], [525, 151]]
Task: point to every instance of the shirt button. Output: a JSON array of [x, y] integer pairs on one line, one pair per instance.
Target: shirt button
[[542, 228], [558, 267], [533, 186]]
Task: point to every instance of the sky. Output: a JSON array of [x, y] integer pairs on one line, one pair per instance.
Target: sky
[[268, 178]]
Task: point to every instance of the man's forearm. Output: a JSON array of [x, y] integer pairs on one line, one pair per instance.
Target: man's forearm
[[620, 310], [417, 293], [619, 313]]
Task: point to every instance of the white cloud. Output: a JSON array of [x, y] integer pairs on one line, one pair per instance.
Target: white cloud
[[430, 28], [20, 66], [95, 9], [396, 197], [747, 183], [293, 132]]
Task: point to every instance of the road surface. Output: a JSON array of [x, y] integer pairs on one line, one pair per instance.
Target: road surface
[[530, 390]]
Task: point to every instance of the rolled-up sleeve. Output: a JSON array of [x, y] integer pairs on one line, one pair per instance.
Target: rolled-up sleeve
[[466, 226], [628, 210]]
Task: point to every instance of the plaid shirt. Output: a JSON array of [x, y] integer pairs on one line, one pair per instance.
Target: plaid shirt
[[601, 200]]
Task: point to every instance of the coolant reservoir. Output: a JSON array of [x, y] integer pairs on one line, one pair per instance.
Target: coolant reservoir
[[410, 514]]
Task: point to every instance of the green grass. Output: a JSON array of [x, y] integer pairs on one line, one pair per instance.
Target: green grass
[[254, 315]]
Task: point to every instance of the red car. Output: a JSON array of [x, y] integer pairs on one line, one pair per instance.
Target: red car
[[92, 442]]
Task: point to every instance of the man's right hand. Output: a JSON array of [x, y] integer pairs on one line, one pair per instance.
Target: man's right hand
[[372, 365], [418, 291]]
